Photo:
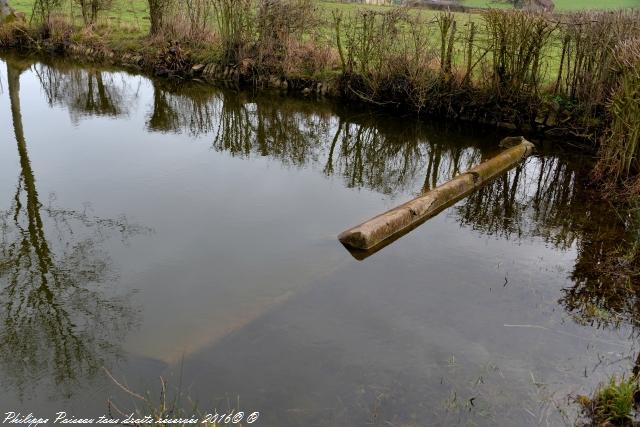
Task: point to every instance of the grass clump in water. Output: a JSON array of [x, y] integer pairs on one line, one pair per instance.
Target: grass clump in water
[[614, 403]]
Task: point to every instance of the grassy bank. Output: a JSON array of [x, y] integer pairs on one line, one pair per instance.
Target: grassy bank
[[571, 75]]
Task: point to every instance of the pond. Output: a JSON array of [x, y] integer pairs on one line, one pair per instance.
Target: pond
[[158, 229]]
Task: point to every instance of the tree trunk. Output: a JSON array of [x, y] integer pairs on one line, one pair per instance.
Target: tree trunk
[[156, 13]]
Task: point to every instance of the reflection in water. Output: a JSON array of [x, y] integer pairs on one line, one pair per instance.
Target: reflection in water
[[85, 92], [550, 198], [56, 322], [191, 111], [606, 288], [547, 198], [363, 149]]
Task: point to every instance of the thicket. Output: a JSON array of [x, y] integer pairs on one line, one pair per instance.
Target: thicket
[[620, 147]]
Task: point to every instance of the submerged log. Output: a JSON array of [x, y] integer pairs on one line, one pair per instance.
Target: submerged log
[[396, 221]]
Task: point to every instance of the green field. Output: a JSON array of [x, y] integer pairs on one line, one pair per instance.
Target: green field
[[126, 24], [566, 5], [134, 12]]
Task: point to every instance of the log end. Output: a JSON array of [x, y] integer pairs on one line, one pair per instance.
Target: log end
[[354, 238]]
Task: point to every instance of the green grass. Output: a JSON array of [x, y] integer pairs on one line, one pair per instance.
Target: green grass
[[127, 12], [485, 4], [134, 12], [613, 402], [565, 5], [577, 5]]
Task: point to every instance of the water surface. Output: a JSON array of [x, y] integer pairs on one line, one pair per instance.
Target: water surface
[[154, 229]]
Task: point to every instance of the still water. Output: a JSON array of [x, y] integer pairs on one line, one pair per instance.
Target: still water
[[154, 230]]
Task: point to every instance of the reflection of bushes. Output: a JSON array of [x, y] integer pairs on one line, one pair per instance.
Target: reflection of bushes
[[234, 22], [361, 150], [607, 273], [551, 72], [540, 198], [571, 74], [550, 198]]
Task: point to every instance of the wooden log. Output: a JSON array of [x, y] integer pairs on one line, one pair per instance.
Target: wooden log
[[397, 220]]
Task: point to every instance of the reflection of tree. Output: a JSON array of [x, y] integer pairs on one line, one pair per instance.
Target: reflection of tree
[[358, 148], [187, 106], [54, 316], [268, 129], [234, 132], [85, 92], [238, 127], [164, 116], [369, 158], [501, 208]]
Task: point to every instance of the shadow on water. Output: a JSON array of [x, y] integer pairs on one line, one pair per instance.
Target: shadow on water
[[50, 294], [58, 323]]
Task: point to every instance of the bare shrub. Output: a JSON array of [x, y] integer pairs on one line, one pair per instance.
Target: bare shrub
[[281, 26], [199, 15], [371, 36], [388, 57], [234, 27], [187, 21], [620, 148], [588, 42], [416, 60], [517, 41], [447, 26]]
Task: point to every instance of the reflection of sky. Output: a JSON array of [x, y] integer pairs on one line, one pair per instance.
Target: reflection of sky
[[244, 254]]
